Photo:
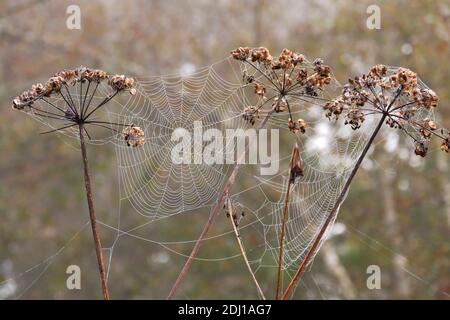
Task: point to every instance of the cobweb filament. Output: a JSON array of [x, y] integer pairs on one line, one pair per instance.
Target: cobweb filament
[[155, 185], [157, 188]]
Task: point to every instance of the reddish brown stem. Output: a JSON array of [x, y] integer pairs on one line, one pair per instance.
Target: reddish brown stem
[[292, 285], [213, 215], [90, 201], [283, 228]]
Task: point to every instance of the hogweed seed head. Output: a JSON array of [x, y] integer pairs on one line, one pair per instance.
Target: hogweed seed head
[[251, 113], [121, 83], [75, 108], [396, 93], [289, 80], [134, 136]]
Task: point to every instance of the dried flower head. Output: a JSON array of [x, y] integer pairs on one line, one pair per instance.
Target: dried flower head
[[134, 136], [284, 82], [250, 114], [421, 149], [120, 83], [397, 95], [299, 125], [54, 101], [25, 99]]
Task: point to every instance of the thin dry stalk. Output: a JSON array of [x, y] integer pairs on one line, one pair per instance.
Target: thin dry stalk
[[231, 214], [37, 101], [292, 285], [95, 233], [214, 212], [294, 170]]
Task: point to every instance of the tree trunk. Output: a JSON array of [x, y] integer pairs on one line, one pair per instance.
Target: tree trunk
[[334, 265]]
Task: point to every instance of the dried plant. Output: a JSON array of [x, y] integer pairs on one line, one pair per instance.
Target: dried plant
[[278, 83], [295, 172], [73, 107], [232, 213], [400, 100]]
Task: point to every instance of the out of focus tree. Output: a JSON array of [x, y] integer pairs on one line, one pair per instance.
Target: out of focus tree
[[40, 200]]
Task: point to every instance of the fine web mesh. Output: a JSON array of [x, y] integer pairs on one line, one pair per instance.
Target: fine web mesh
[[157, 188], [160, 191]]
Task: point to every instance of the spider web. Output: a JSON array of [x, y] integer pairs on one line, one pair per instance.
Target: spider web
[[159, 190]]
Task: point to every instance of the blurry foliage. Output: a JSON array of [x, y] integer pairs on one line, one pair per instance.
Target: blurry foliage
[[42, 207]]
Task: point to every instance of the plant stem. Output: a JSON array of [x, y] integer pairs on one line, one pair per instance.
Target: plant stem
[[331, 215], [98, 245], [214, 212], [241, 246], [283, 228]]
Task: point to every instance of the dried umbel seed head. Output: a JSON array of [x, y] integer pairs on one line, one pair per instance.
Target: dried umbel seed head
[[241, 53], [378, 71], [334, 107], [354, 118], [405, 78], [290, 77], [299, 125], [427, 127], [250, 114], [134, 136], [260, 90], [55, 83], [95, 75], [65, 75], [24, 100], [41, 90], [289, 59], [302, 75], [320, 78], [279, 105], [426, 98], [121, 83], [397, 95], [421, 149], [247, 78], [262, 55]]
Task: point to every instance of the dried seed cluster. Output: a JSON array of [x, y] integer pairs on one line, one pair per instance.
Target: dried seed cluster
[[250, 114], [395, 93], [289, 77], [120, 83], [134, 136], [75, 109], [71, 77], [299, 125]]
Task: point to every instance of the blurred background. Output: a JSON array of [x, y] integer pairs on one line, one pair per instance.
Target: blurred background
[[396, 216]]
